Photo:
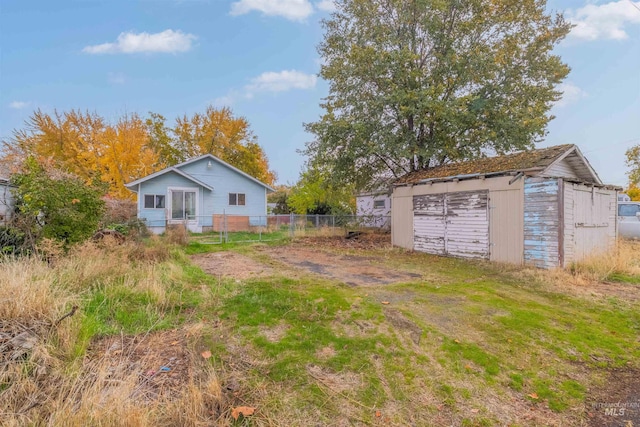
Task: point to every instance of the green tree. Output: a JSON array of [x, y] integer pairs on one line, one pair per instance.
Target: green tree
[[315, 193], [418, 83], [633, 161], [281, 198], [57, 205]]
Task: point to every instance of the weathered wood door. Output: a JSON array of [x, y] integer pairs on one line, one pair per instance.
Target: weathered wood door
[[455, 224]]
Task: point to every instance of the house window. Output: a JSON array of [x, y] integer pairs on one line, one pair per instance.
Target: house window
[[379, 204], [236, 199], [154, 201]]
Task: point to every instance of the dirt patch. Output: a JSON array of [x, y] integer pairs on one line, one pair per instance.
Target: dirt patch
[[350, 269], [617, 404], [361, 241], [399, 320], [160, 362], [231, 264], [325, 353], [336, 382], [275, 333]]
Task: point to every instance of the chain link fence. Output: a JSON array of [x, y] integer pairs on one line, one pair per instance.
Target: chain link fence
[[225, 228]]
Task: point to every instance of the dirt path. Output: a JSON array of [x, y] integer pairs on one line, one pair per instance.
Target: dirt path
[[231, 264], [353, 270]]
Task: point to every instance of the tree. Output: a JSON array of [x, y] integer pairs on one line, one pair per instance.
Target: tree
[[315, 193], [84, 145], [230, 138], [87, 146], [633, 161], [281, 198], [56, 205], [418, 83]]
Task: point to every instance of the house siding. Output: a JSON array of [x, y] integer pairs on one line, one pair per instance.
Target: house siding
[[224, 181], [6, 202], [160, 185]]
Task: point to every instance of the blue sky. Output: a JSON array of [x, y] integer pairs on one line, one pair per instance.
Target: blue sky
[[175, 57]]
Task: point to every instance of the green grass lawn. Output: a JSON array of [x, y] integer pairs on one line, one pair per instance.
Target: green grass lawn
[[458, 344], [454, 343]]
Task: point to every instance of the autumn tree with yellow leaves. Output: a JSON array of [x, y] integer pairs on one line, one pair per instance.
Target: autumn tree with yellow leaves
[[86, 145]]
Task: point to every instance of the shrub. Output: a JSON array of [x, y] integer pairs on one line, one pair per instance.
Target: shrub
[[60, 206], [12, 241]]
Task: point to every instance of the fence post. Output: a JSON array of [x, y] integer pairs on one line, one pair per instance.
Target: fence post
[[224, 225], [291, 224], [317, 220]]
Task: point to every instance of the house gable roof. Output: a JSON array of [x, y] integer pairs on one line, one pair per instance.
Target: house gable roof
[[132, 185], [176, 168], [233, 168], [533, 161]]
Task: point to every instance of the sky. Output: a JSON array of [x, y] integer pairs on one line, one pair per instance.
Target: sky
[[259, 57]]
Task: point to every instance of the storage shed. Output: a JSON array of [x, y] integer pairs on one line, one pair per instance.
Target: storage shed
[[544, 207]]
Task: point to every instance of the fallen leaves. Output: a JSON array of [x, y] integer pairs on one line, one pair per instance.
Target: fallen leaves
[[533, 396], [244, 410], [384, 302], [205, 354]]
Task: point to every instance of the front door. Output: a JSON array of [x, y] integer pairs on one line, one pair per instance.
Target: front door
[[183, 206]]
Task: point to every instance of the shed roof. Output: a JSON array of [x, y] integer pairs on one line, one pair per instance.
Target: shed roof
[[537, 160]]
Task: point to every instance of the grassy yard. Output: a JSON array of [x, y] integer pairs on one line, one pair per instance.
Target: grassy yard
[[313, 332]]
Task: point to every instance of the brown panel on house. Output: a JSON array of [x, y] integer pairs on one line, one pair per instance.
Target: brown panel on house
[[233, 222]]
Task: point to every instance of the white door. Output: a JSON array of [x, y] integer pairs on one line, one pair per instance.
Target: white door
[[183, 206], [454, 224], [429, 224]]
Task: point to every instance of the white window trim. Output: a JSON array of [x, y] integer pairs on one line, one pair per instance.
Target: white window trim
[[169, 204], [237, 205], [380, 207], [154, 200]]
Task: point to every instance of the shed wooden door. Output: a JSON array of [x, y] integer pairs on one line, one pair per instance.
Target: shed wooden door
[[593, 214], [454, 224]]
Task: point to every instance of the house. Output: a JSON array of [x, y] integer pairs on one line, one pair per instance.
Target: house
[[6, 200], [198, 193], [545, 208], [373, 208]]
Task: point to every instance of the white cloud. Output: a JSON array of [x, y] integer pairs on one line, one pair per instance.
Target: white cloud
[[294, 10], [116, 78], [327, 5], [268, 82], [19, 105], [570, 94], [281, 81], [167, 41], [605, 21]]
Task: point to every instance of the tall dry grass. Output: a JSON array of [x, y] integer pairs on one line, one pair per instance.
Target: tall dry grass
[[43, 382], [620, 263], [623, 260]]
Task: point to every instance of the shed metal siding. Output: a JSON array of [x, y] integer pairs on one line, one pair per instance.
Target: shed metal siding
[[541, 222]]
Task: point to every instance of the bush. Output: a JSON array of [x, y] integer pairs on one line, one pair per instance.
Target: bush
[[57, 205], [12, 241]]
